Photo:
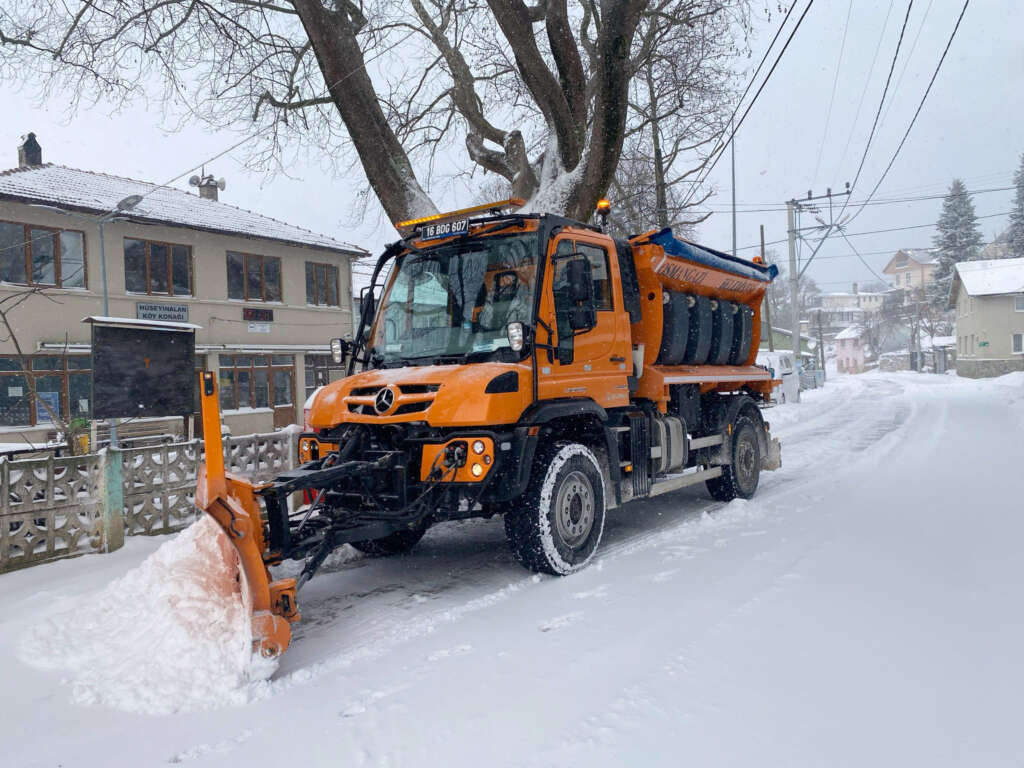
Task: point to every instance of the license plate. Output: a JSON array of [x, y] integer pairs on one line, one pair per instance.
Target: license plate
[[444, 229]]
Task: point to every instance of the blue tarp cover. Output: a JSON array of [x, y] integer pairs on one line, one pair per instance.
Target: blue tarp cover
[[712, 258]]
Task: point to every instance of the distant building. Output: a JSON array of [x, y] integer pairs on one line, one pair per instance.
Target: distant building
[[989, 301], [912, 269], [268, 296], [870, 301], [850, 350], [783, 340]]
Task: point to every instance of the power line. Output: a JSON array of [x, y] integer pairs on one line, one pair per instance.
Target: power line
[[876, 231], [864, 91], [920, 106], [883, 201], [852, 248], [910, 55], [750, 83], [750, 106], [832, 98], [881, 103]]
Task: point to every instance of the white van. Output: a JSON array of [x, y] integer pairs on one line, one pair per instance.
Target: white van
[[783, 367]]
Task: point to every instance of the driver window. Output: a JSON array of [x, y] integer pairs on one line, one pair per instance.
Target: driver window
[[598, 259]]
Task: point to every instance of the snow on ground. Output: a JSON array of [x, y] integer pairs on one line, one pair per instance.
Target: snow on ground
[[172, 634], [862, 609]]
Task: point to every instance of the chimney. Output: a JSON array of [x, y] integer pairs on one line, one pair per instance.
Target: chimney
[[29, 151], [855, 288], [208, 186]]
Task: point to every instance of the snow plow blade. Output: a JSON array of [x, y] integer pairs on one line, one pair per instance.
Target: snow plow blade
[[231, 501]]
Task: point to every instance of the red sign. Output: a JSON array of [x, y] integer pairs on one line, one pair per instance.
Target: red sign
[[258, 315]]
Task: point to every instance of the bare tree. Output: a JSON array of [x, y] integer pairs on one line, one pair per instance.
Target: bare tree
[[537, 94], [680, 101]]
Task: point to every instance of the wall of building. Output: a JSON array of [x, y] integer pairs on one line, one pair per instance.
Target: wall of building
[[913, 275], [51, 320], [985, 326]]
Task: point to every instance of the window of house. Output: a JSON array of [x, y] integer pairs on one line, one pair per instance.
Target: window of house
[[321, 284], [255, 381], [906, 278], [252, 277], [319, 371], [1018, 343], [1018, 303], [63, 389], [157, 268], [31, 255]]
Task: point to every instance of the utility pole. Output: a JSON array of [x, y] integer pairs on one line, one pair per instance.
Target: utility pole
[[732, 146], [767, 303], [821, 346], [792, 206], [794, 290]]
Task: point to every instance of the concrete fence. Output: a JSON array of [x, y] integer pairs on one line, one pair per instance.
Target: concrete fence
[[60, 507]]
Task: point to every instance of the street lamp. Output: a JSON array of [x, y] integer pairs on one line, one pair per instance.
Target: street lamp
[[114, 214]]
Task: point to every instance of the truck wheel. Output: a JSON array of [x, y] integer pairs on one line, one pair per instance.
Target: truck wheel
[[739, 479], [558, 526], [397, 543]]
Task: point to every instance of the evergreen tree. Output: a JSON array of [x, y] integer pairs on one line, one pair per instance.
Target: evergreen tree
[[958, 239], [1016, 232]]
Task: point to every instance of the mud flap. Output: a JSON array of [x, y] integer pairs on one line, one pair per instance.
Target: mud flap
[[771, 457]]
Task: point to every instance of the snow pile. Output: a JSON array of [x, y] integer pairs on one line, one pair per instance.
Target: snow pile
[[171, 635]]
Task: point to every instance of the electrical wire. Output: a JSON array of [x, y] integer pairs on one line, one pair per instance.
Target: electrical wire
[[832, 98], [708, 168], [875, 231], [864, 91], [917, 112], [906, 63], [878, 112]]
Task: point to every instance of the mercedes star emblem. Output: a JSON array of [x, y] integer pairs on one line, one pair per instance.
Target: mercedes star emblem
[[384, 400]]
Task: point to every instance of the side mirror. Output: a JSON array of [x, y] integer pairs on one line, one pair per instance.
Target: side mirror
[[580, 281], [367, 304]]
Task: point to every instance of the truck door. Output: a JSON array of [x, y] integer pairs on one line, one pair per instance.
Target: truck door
[[593, 363]]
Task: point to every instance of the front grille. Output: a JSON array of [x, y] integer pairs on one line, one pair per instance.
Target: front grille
[[412, 407], [418, 389]]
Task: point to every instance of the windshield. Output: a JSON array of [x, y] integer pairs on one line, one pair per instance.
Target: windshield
[[457, 300]]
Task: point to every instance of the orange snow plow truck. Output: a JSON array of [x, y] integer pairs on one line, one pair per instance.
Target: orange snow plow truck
[[522, 365]]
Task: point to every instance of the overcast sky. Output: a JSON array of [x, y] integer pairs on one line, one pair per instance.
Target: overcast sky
[[971, 127]]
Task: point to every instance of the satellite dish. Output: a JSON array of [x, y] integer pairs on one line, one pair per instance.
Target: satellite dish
[[194, 181], [221, 184]]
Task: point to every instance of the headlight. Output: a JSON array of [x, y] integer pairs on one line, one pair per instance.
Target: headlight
[[478, 447], [337, 351], [515, 336], [477, 470]]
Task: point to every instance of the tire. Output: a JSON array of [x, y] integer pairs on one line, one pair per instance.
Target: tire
[[558, 526], [397, 543], [743, 331], [739, 479], [721, 331], [675, 328], [699, 340]]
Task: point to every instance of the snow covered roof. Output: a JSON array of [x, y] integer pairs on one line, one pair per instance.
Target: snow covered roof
[[920, 255], [991, 276], [99, 193], [852, 332]]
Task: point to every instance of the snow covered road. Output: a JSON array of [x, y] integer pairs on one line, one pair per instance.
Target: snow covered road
[[863, 608]]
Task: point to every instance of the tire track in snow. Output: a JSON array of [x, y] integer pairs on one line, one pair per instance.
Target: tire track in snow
[[392, 615]]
